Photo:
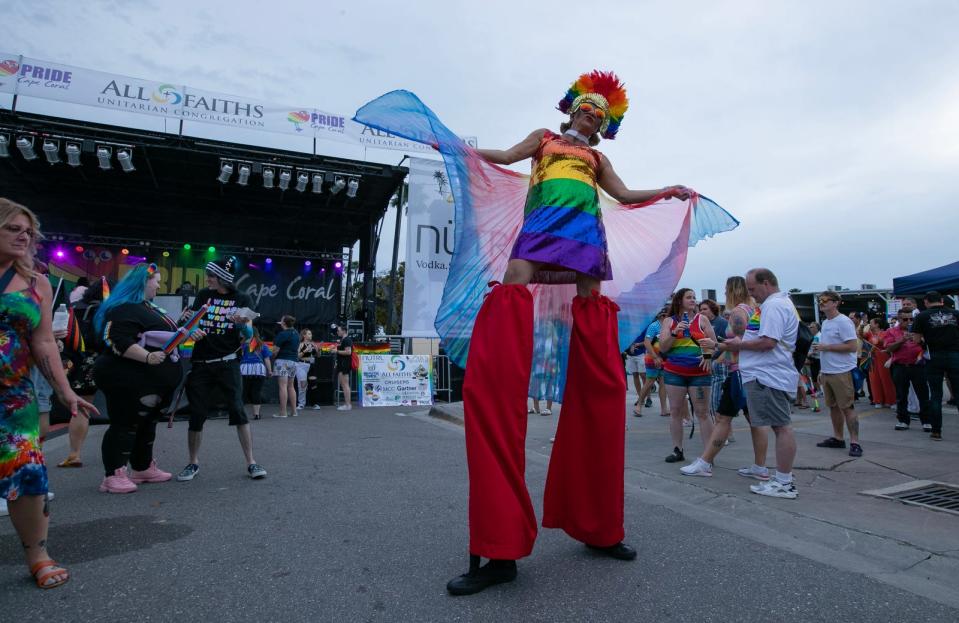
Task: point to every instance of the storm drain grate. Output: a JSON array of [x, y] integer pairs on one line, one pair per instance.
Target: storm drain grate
[[935, 495]]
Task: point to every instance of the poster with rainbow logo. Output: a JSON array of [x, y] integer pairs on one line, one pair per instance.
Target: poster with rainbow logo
[[395, 380]]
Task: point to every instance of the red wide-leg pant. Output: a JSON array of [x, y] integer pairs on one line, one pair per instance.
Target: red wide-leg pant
[[585, 483], [501, 519]]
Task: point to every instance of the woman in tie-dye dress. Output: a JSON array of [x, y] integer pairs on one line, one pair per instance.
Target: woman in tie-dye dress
[[26, 338]]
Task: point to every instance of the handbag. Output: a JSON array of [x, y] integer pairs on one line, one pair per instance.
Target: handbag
[[158, 339]]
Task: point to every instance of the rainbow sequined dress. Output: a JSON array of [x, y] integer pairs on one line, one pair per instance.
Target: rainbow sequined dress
[[22, 471], [562, 222]]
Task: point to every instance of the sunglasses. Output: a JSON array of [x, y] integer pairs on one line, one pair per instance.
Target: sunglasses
[[599, 113], [824, 301]]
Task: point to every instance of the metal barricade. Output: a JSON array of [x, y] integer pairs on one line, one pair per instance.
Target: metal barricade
[[443, 378]]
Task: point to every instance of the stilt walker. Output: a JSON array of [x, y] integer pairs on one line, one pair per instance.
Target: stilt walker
[[555, 223]]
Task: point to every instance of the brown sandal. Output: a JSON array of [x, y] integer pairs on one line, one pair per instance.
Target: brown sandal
[[46, 564], [70, 461]]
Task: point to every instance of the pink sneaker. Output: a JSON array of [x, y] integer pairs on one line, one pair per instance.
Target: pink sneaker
[[119, 482], [150, 474]]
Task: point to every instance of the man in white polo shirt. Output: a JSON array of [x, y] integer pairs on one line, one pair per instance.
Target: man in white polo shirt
[[770, 379], [837, 356]]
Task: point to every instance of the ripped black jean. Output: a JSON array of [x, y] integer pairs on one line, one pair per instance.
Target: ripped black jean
[[134, 414]]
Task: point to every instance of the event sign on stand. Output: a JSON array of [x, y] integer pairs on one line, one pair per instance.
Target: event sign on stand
[[395, 380]]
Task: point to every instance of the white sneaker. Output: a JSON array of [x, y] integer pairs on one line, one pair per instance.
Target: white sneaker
[[315, 407], [3, 508], [344, 408], [278, 415], [50, 496], [775, 489], [546, 412], [747, 472], [698, 467], [296, 414]]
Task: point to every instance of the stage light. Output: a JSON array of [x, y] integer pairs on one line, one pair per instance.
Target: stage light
[[78, 248], [187, 246], [103, 155], [51, 149], [211, 249], [4, 146], [125, 251], [338, 265], [244, 175], [226, 171], [307, 263], [301, 181], [60, 254], [25, 145], [268, 177], [285, 176], [73, 154], [166, 254], [317, 183], [323, 270], [125, 157], [269, 260], [338, 185], [353, 186]]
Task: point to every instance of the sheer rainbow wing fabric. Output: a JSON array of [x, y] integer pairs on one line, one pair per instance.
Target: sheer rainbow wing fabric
[[647, 244]]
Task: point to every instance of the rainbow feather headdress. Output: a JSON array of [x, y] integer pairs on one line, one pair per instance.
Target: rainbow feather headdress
[[604, 90]]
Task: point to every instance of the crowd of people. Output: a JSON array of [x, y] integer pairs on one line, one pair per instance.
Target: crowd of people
[[752, 357], [116, 341]]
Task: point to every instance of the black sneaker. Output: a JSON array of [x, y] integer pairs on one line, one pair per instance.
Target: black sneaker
[[255, 471], [620, 551], [649, 403], [676, 457], [855, 449], [188, 473], [935, 436], [832, 442]]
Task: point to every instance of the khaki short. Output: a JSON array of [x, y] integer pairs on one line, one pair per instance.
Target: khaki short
[[838, 390]]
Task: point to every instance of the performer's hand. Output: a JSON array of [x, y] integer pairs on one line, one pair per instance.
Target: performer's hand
[[679, 192], [155, 358], [197, 335]]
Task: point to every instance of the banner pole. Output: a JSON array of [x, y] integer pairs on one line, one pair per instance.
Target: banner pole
[[401, 200]]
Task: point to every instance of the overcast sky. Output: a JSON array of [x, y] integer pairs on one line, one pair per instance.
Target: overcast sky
[[829, 129]]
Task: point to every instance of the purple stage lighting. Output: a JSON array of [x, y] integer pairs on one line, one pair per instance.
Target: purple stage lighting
[[269, 260], [338, 265], [60, 254], [307, 263]]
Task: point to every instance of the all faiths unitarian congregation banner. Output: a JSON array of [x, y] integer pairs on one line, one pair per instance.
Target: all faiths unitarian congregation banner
[[31, 77]]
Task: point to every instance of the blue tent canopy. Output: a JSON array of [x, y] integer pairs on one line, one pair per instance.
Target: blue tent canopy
[[944, 279]]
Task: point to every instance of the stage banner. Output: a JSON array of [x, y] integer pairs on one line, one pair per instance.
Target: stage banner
[[286, 287], [9, 70], [75, 85], [429, 245], [379, 139], [395, 380]]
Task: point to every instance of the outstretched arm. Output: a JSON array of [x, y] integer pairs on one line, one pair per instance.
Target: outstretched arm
[[520, 151], [615, 188]]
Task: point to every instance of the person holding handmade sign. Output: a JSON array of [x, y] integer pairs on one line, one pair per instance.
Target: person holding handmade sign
[[137, 378]]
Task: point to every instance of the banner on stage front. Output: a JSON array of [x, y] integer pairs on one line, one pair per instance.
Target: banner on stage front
[[429, 245], [395, 380], [380, 139]]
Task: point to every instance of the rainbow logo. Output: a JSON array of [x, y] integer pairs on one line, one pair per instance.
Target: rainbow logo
[[297, 117], [167, 94], [9, 68], [396, 364]]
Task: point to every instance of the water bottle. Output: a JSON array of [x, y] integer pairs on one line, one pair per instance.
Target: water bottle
[[61, 318], [686, 332]]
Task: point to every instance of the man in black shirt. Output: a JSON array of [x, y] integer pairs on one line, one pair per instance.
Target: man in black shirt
[[939, 327], [215, 364], [344, 365]]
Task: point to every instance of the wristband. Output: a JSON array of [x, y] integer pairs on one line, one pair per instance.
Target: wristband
[[707, 355]]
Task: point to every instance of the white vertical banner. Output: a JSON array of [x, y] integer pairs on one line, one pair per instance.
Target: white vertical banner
[[429, 245]]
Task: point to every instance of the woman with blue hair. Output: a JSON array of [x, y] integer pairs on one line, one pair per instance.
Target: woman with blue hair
[[137, 378]]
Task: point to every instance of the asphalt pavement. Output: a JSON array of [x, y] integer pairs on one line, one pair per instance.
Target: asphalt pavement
[[363, 518]]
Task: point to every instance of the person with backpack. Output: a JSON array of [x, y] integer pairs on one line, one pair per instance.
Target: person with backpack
[[767, 352]]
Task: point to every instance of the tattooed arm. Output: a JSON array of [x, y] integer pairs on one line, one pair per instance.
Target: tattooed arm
[[46, 355]]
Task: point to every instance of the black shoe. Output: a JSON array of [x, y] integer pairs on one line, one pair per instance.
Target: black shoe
[[636, 404], [832, 442], [480, 578], [935, 436], [676, 457], [855, 449], [649, 403], [620, 551]]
